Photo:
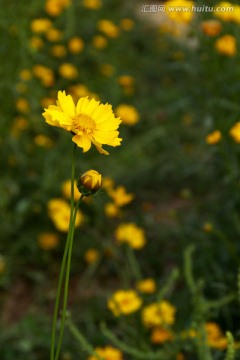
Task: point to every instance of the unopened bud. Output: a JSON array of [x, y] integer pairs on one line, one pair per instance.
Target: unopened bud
[[89, 182]]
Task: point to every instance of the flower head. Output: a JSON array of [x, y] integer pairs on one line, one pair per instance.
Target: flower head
[[214, 137], [90, 121], [158, 314], [124, 302], [226, 45], [107, 353], [235, 132], [89, 182], [131, 234]]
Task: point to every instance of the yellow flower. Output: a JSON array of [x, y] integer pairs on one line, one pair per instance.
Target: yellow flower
[[128, 114], [58, 51], [66, 190], [158, 314], [99, 42], [89, 182], [92, 4], [211, 27], [215, 336], [40, 25], [226, 45], [48, 241], [43, 140], [235, 132], [160, 335], [131, 234], [111, 210], [36, 43], [207, 227], [124, 302], [91, 255], [75, 45], [108, 28], [68, 71], [107, 69], [25, 75], [107, 353], [214, 137], [59, 213], [56, 7], [120, 196], [127, 24], [22, 105], [183, 16], [89, 121], [224, 10], [45, 75], [147, 286], [18, 126], [53, 34], [126, 80], [108, 183]]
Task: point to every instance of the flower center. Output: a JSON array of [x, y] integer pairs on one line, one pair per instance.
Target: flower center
[[83, 124]]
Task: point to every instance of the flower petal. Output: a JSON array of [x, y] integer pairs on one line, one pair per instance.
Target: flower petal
[[82, 141], [66, 103]]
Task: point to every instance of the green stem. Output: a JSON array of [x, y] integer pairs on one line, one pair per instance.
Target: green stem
[[64, 259], [66, 286]]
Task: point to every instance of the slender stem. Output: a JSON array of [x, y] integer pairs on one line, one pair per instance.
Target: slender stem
[[64, 259], [66, 286]]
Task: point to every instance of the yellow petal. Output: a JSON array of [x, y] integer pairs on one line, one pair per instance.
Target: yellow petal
[[82, 141], [66, 103]]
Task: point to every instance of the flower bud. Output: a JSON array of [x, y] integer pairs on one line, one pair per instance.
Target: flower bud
[[89, 182]]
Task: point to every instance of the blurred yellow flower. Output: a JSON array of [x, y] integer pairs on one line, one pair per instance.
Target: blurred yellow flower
[[36, 43], [58, 51], [92, 4], [43, 140], [91, 255], [126, 80], [90, 121], [160, 335], [22, 105], [108, 183], [128, 114], [215, 336], [99, 42], [127, 24], [124, 302], [44, 74], [40, 25], [107, 69], [111, 210], [147, 286], [59, 213], [48, 241], [66, 190], [19, 125], [107, 353], [53, 34], [183, 16], [131, 234], [75, 45], [226, 45], [211, 27], [120, 196], [108, 28], [235, 132], [56, 7], [214, 137], [68, 71], [158, 314], [224, 10], [25, 74], [207, 227]]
